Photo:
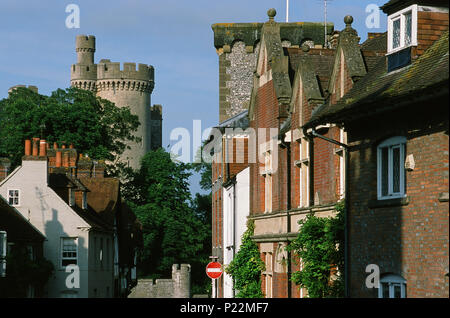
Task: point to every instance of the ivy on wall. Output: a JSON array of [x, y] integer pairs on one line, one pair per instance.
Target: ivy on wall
[[246, 267], [320, 247]]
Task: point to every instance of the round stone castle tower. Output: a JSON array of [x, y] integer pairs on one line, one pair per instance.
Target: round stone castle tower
[[125, 87]]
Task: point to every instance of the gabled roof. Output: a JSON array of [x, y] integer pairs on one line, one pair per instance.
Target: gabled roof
[[16, 226], [103, 196], [380, 91], [89, 215], [314, 66]]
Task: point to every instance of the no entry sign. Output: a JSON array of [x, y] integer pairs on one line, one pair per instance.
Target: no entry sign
[[214, 270]]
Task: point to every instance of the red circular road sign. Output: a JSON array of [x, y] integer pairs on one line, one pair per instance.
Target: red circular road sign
[[214, 270]]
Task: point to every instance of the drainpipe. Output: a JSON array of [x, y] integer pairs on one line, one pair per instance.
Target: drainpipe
[[234, 229], [288, 208], [311, 135]]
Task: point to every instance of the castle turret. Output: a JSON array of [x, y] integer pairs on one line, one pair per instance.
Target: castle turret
[[126, 86], [85, 47], [84, 74]]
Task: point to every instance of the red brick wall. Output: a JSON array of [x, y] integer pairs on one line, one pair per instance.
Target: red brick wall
[[430, 26], [408, 240]]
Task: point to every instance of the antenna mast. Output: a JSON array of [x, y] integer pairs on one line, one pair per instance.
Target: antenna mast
[[325, 45]]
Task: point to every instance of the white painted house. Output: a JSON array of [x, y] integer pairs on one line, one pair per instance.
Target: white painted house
[[236, 208], [73, 234]]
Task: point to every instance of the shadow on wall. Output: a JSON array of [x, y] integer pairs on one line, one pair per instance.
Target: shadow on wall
[[63, 250]]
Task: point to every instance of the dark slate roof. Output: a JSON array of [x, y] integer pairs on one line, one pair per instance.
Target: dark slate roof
[[17, 227], [62, 180], [238, 121], [380, 91]]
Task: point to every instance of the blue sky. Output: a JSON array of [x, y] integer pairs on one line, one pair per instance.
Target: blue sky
[[175, 36]]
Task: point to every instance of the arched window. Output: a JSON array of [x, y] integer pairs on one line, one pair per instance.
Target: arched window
[[392, 286], [390, 168]]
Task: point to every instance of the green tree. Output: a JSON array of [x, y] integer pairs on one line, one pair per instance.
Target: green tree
[[173, 231], [246, 267], [95, 126], [320, 247]]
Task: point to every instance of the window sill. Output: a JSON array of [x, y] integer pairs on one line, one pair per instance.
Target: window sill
[[443, 197], [373, 204], [298, 163]]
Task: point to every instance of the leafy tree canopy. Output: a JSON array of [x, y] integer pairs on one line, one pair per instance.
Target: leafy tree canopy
[[173, 230], [93, 125]]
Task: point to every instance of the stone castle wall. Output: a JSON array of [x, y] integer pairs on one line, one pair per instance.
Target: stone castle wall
[[179, 286]]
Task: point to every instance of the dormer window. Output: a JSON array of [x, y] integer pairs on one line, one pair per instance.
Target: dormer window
[[402, 29]]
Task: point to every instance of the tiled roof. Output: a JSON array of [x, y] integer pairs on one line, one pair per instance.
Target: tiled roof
[[90, 215], [321, 61], [103, 196], [379, 91]]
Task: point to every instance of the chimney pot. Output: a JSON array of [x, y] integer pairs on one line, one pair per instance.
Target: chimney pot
[[55, 145], [42, 148], [71, 146], [35, 147], [58, 159], [28, 147], [65, 161]]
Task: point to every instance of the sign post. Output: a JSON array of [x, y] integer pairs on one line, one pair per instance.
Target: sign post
[[214, 271]]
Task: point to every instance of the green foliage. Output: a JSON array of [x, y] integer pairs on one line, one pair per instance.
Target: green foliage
[[174, 227], [246, 267], [95, 126], [320, 247], [21, 272]]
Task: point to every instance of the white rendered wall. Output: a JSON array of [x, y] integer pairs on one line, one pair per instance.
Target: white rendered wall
[[236, 209], [54, 219]]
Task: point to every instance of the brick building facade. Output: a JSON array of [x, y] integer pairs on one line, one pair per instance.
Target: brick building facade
[[310, 146], [396, 119]]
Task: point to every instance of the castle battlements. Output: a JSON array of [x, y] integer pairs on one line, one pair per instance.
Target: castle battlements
[[112, 70], [30, 87]]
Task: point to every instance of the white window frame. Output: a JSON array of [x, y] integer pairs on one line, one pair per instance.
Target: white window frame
[[62, 251], [391, 143], [13, 197], [392, 281], [401, 15], [268, 274], [266, 172], [303, 165]]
